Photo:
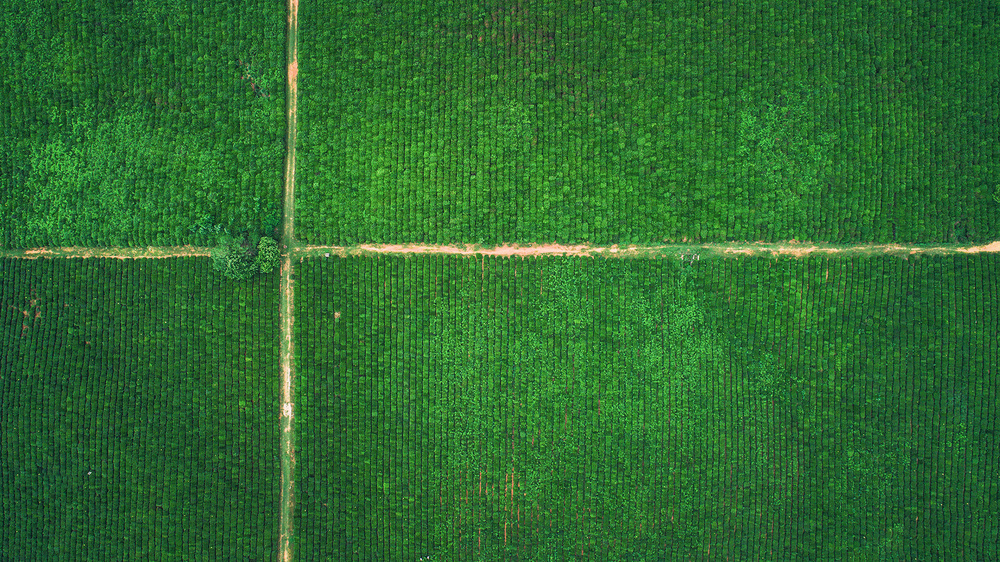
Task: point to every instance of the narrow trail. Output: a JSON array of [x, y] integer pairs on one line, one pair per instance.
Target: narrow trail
[[287, 415], [792, 248], [730, 249], [120, 253]]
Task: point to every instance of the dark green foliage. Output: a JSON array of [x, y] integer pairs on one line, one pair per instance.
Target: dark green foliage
[[490, 409], [816, 409], [124, 123], [869, 378], [138, 400], [206, 227], [643, 121], [244, 257]]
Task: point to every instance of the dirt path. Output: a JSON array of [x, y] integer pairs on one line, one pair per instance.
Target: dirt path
[[702, 250], [121, 253], [287, 415], [707, 250]]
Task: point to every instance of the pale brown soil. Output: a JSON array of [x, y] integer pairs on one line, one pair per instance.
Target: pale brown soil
[[287, 415], [791, 248], [287, 437], [121, 253]]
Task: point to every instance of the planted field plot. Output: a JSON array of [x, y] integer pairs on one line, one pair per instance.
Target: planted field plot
[[137, 400], [639, 122], [139, 123], [453, 408]]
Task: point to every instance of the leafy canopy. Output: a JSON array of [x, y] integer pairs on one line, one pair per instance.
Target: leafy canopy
[[245, 257]]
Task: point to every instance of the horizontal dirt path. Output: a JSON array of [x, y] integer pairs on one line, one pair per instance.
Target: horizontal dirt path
[[792, 248], [120, 252]]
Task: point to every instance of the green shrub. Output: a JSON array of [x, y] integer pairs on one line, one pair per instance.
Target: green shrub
[[241, 259], [268, 255]]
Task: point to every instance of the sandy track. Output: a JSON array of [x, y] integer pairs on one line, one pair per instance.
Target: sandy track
[[121, 253], [287, 415], [726, 249], [792, 248]]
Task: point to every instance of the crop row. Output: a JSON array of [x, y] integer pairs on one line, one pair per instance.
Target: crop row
[[128, 123], [159, 123], [572, 122], [138, 401], [455, 408]]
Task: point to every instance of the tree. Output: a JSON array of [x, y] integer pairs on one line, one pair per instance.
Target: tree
[[241, 259]]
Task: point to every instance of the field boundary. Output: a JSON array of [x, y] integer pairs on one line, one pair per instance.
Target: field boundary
[[287, 415], [113, 252], [733, 249]]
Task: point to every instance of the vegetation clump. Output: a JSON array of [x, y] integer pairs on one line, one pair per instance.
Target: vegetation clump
[[242, 258]]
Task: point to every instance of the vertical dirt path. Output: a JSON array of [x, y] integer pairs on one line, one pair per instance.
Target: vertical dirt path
[[287, 294]]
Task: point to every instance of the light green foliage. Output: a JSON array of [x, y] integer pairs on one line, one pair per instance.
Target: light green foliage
[[268, 255], [103, 149], [206, 226], [506, 127], [646, 121], [77, 181], [784, 155]]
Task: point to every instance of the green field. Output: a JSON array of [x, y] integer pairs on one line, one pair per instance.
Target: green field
[[138, 401], [485, 409], [638, 122], [139, 123], [675, 402]]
